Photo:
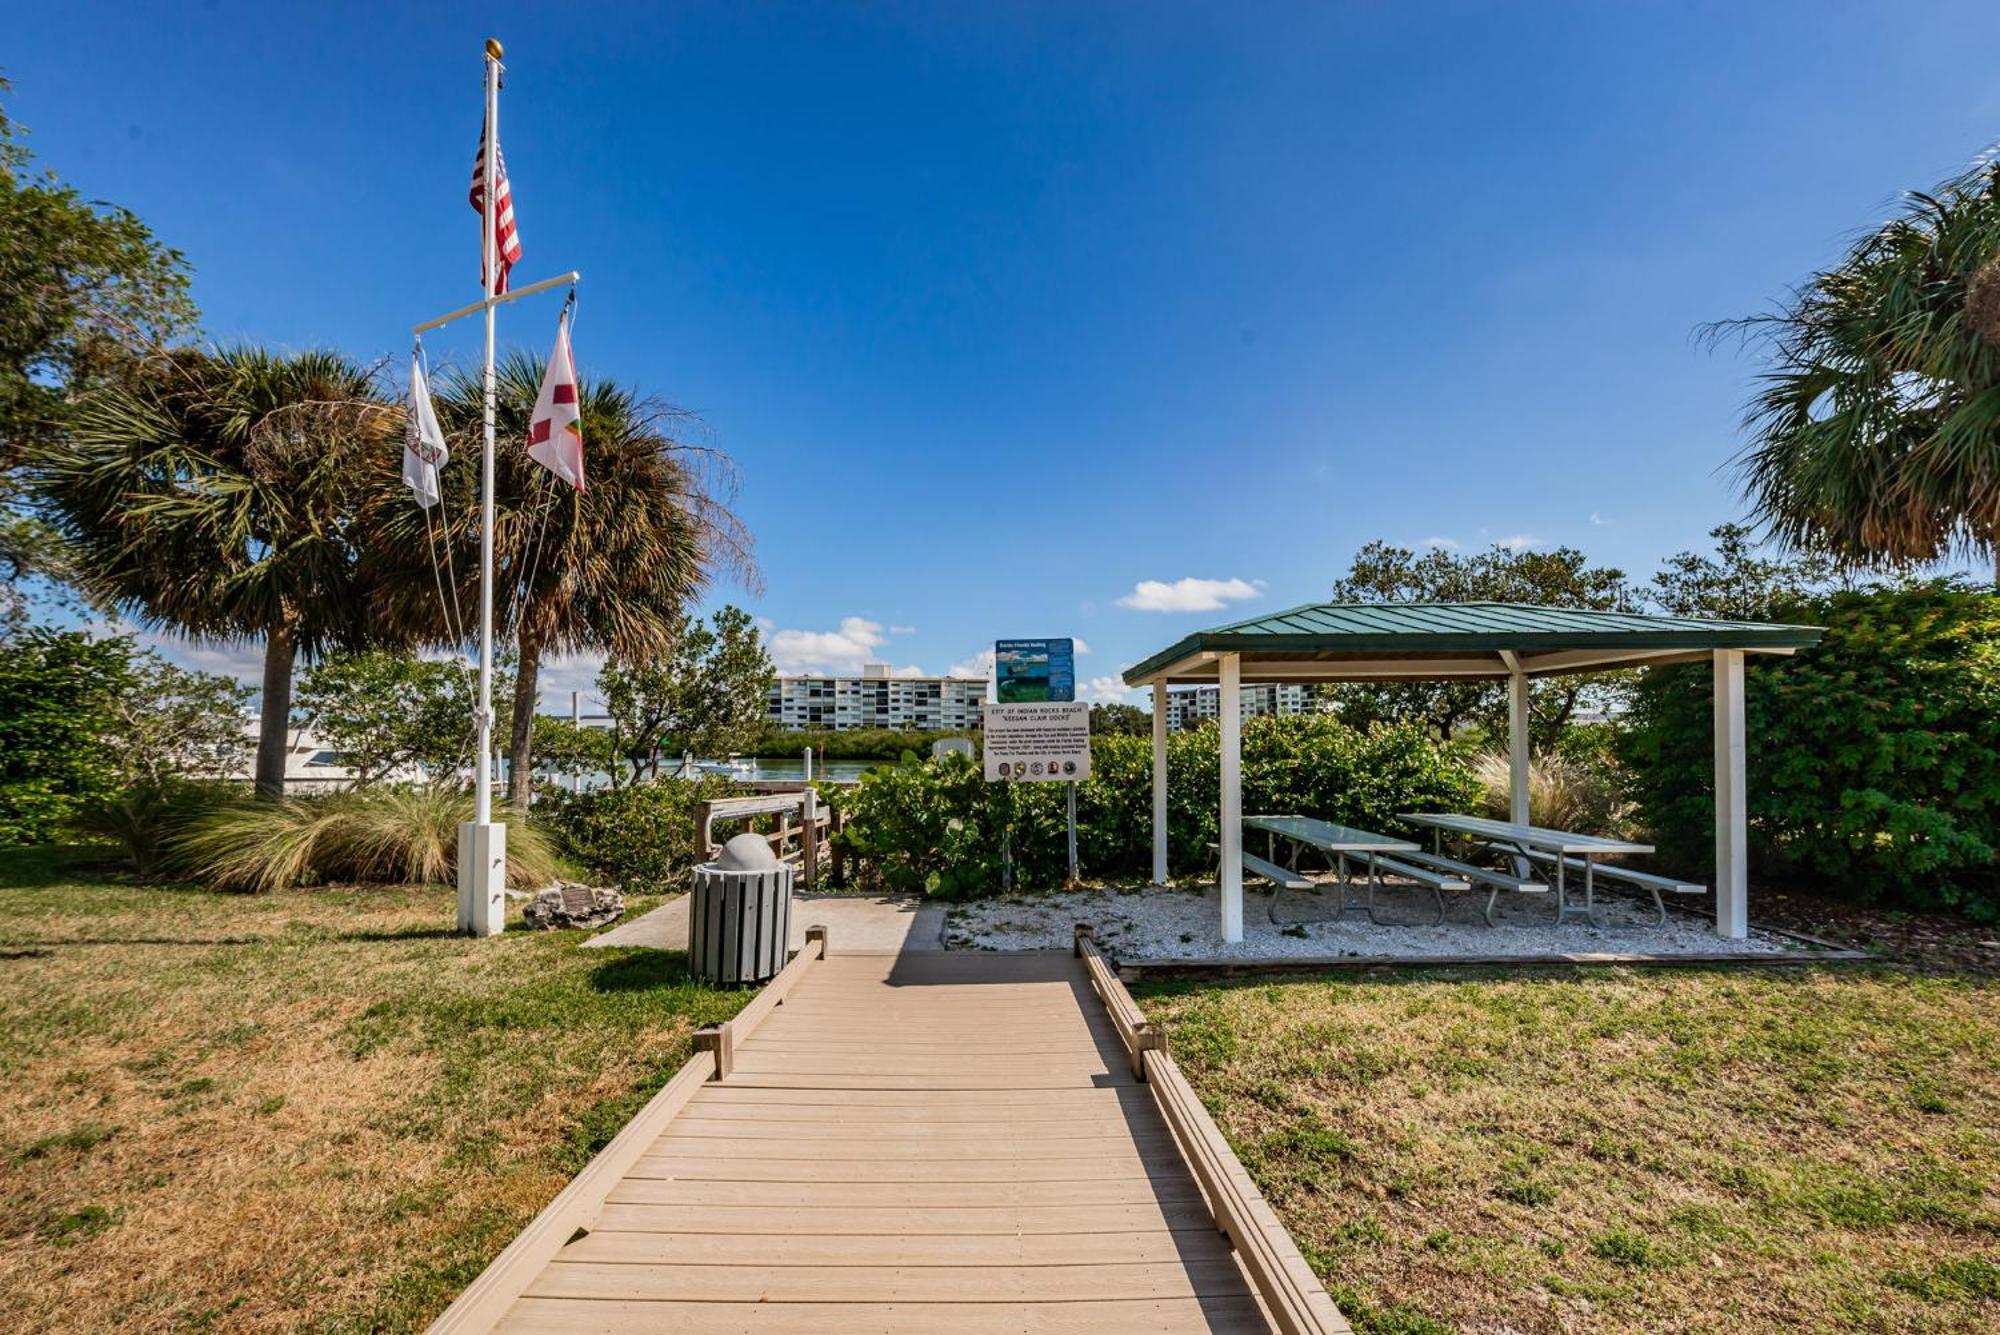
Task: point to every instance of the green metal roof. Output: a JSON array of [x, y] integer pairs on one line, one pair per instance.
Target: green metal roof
[[1547, 639]]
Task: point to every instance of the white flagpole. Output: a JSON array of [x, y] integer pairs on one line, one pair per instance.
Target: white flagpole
[[482, 842], [482, 846], [490, 256]]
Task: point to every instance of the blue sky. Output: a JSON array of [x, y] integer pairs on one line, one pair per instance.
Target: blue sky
[[1009, 313]]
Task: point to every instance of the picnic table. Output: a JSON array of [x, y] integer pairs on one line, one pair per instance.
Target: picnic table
[[1336, 842], [1561, 849]]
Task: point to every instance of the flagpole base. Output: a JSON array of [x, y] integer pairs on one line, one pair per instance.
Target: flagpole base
[[482, 878]]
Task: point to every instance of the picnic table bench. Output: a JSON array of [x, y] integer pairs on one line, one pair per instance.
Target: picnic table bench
[[1562, 850], [1652, 882], [1337, 843]]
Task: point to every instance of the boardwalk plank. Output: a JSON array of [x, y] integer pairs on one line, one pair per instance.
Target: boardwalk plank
[[890, 1284], [1222, 1316], [1154, 1247]]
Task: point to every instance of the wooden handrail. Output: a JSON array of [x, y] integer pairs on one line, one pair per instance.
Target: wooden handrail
[[486, 1300], [1135, 1031], [1292, 1293], [807, 841]]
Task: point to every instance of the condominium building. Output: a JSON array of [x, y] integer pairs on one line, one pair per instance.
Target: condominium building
[[1189, 706], [876, 699]]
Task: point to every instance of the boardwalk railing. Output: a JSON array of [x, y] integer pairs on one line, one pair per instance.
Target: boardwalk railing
[[1293, 1295], [806, 827], [576, 1208]]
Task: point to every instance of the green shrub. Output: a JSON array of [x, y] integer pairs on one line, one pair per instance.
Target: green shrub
[[148, 820], [937, 826], [59, 692], [641, 836], [387, 834], [1874, 758]]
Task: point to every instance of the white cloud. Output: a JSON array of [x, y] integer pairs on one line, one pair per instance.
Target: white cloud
[[908, 670], [1077, 643], [570, 672], [1597, 520], [843, 650], [902, 630], [244, 662], [1519, 542], [1449, 544], [1106, 690], [974, 668], [1188, 595]]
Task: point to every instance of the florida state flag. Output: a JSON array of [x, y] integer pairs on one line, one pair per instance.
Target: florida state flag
[[555, 432]]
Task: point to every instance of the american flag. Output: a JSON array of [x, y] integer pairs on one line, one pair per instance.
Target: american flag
[[508, 241]]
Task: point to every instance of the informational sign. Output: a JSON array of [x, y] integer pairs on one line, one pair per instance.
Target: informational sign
[[1033, 671], [1030, 742]]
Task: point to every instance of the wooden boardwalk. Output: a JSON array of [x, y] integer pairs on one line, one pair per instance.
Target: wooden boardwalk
[[915, 1143]]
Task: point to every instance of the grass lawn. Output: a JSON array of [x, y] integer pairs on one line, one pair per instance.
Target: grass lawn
[[1778, 1150], [316, 1110]]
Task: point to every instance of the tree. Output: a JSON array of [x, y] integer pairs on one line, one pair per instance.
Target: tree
[[608, 569], [215, 494], [172, 722], [567, 748], [59, 693], [385, 711], [1875, 433], [1116, 719], [1736, 584], [83, 285], [706, 696], [1562, 577]]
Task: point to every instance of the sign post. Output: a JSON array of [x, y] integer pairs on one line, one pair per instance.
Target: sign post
[[1035, 731]]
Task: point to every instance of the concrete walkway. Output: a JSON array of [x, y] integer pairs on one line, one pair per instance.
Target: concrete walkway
[[856, 923]]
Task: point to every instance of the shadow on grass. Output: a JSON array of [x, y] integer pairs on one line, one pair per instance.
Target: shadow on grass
[[400, 934], [641, 970]]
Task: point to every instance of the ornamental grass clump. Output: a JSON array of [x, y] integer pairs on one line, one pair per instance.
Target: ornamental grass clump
[[386, 835], [1564, 793]]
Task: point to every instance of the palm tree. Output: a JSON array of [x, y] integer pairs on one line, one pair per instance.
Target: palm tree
[[609, 569], [1876, 432], [214, 495]]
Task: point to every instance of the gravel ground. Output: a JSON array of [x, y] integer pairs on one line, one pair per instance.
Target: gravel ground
[[1148, 924]]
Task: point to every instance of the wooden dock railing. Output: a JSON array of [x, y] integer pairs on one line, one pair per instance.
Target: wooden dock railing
[[1294, 1297], [806, 826]]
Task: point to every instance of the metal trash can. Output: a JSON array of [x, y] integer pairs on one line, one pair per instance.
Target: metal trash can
[[740, 914]]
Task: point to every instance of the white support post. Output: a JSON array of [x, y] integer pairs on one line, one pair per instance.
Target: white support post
[[1517, 743], [1160, 782], [1230, 705], [1732, 812]]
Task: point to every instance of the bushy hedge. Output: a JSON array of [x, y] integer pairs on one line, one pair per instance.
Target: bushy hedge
[[936, 826], [1874, 759], [640, 836]]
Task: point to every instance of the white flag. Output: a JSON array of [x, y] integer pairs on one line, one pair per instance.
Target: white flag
[[423, 443], [555, 432]]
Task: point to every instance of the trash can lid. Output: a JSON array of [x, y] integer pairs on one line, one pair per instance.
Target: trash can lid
[[747, 852]]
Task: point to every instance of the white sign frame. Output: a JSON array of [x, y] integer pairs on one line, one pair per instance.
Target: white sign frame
[[1038, 742]]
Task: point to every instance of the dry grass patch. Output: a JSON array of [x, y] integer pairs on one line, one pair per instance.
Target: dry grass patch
[[1621, 1151], [311, 1110]]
